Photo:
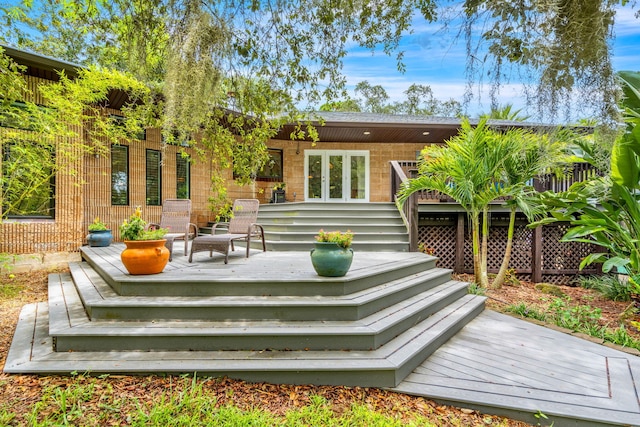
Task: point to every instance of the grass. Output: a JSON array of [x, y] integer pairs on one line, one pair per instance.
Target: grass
[[191, 402]]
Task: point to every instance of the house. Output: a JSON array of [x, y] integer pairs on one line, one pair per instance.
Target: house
[[349, 163]]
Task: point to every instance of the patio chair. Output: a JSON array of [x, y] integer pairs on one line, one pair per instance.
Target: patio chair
[[242, 226], [176, 216]]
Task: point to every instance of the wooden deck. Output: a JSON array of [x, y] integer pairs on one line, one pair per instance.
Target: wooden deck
[[499, 364], [496, 363]]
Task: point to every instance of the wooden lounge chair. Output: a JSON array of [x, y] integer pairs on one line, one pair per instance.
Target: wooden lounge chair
[[176, 216], [242, 226]]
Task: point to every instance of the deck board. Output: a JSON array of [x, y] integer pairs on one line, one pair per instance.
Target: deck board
[[499, 361]]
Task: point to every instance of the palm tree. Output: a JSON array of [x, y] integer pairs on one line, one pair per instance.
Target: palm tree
[[531, 155], [506, 112], [479, 166], [465, 170]]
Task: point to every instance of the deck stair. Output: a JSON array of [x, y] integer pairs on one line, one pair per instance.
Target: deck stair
[[370, 328], [292, 226]]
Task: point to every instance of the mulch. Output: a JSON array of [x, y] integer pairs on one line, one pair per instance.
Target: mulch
[[22, 392]]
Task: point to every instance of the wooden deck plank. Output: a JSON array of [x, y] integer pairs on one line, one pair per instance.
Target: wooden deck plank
[[513, 385], [536, 370], [520, 374]]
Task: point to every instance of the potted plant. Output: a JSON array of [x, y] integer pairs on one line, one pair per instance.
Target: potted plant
[[332, 254], [145, 252], [278, 193], [99, 234]]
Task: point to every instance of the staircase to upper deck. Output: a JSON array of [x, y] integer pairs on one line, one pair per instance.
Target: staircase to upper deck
[[292, 226]]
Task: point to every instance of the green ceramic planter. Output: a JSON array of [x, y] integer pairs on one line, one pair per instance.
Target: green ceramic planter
[[330, 260]]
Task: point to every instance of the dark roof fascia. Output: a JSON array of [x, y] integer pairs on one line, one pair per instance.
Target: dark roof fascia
[[354, 119], [36, 60]]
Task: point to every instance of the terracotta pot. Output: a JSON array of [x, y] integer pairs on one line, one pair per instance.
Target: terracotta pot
[[145, 256], [331, 260]]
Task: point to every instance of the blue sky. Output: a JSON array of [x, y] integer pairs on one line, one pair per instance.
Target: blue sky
[[435, 58]]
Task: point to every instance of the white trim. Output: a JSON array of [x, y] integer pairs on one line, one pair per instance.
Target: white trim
[[346, 174]]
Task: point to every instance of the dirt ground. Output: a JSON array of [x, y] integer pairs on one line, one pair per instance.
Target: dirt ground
[[15, 291]]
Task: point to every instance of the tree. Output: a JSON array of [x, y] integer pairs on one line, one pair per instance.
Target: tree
[[560, 46], [564, 45], [481, 165], [374, 98], [258, 58], [530, 155], [506, 112], [466, 170], [421, 101]]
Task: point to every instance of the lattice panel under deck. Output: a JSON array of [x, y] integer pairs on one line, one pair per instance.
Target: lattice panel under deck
[[440, 236]]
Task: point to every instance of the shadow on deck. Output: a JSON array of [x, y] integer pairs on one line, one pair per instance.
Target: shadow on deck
[[395, 321]]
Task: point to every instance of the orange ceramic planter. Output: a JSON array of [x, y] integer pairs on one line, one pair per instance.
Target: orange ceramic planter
[[145, 256]]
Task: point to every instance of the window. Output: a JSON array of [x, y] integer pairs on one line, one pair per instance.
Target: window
[[29, 180], [121, 121], [272, 169], [154, 178], [119, 175], [19, 115], [183, 176]]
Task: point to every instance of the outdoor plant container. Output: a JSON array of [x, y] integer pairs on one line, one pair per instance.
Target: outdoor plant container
[[146, 252], [99, 238], [332, 254], [145, 256], [99, 234]]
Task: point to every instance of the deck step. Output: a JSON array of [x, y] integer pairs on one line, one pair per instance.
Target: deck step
[[268, 317], [377, 227], [102, 303], [366, 271], [75, 331], [384, 367]]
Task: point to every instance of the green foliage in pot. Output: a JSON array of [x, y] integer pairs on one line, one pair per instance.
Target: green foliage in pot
[[135, 228], [341, 239], [97, 225]]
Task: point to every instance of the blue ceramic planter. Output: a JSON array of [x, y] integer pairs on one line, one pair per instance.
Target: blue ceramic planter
[[100, 238], [331, 260]]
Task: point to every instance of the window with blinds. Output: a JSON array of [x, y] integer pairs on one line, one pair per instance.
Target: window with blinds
[[119, 175], [183, 176], [154, 178]]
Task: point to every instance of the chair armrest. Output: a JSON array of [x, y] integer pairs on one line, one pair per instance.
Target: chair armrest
[[221, 224], [195, 229], [257, 228]]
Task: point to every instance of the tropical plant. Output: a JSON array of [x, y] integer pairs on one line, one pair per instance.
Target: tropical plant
[[466, 171], [531, 155], [479, 166], [97, 225], [606, 211], [135, 228], [342, 239]]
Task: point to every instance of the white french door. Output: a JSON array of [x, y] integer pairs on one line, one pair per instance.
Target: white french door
[[336, 175]]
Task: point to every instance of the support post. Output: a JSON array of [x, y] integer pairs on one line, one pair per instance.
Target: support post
[[459, 263], [536, 255]]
